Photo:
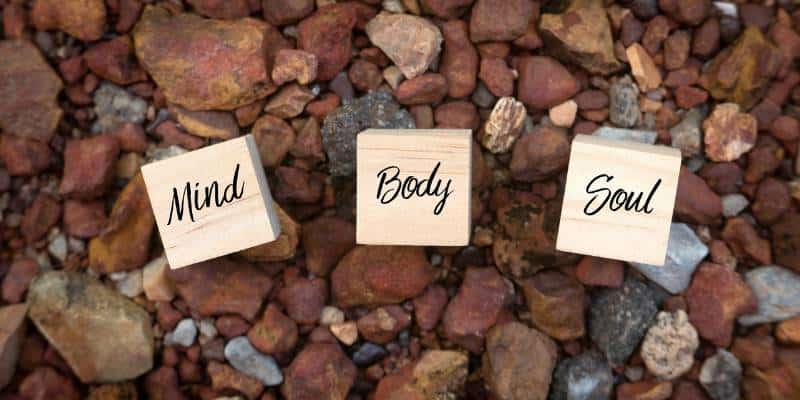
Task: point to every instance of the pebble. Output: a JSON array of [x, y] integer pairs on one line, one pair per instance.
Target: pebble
[[508, 366], [777, 290], [608, 132], [85, 20], [643, 68], [499, 21], [720, 376], [563, 115], [584, 377], [247, 360], [129, 283], [346, 332], [686, 135], [540, 154], [368, 353], [544, 82], [504, 125], [183, 335], [155, 283], [58, 247], [733, 204], [623, 103], [729, 133], [669, 346], [411, 42], [114, 107], [482, 97], [321, 371], [684, 253], [556, 303], [438, 374], [293, 65], [331, 315], [12, 335]]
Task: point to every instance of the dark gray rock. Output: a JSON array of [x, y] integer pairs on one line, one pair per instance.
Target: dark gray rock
[[583, 377], [623, 103], [686, 134], [368, 353], [619, 318], [720, 376], [375, 110]]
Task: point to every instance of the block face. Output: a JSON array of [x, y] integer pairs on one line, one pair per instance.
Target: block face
[[237, 213], [413, 187], [619, 199]]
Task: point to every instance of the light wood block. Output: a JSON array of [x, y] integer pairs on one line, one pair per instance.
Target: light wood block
[[619, 199], [211, 202], [413, 187]]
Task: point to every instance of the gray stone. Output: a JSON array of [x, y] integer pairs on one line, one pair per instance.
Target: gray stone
[[778, 292], [623, 107], [631, 135], [720, 376], [247, 360], [184, 334], [684, 252], [163, 153], [669, 346], [583, 377], [733, 204], [619, 318], [58, 247], [482, 97], [368, 354], [375, 110], [115, 106], [686, 135]]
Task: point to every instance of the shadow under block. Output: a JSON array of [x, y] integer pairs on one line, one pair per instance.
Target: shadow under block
[[619, 199], [413, 187], [211, 202]]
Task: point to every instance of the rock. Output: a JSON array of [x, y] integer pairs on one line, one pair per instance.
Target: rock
[[224, 378], [729, 133], [743, 239], [619, 319], [786, 241], [518, 362], [720, 376], [377, 275], [459, 63], [114, 391], [326, 240], [563, 115], [303, 298], [777, 292], [129, 284], [646, 137], [368, 354], [207, 124], [331, 315], [497, 76], [285, 12], [669, 346], [438, 374], [623, 104], [221, 286], [289, 102], [247, 360], [24, 157], [733, 204], [643, 68], [282, 248], [222, 10], [115, 108], [293, 65], [583, 377], [346, 332], [382, 325], [742, 72], [89, 166], [504, 125], [125, 243], [364, 75], [235, 76], [539, 155], [684, 253], [459, 114], [113, 60], [788, 331], [686, 135], [29, 88], [17, 278], [427, 88], [716, 297], [374, 110], [581, 34], [155, 280], [411, 42], [45, 383], [100, 334], [555, 302], [321, 371], [695, 201], [595, 271], [544, 82], [429, 307], [12, 334], [84, 19], [446, 9], [644, 390], [43, 213], [772, 201], [84, 219], [476, 307], [326, 34], [274, 138], [502, 20], [183, 335], [274, 332]]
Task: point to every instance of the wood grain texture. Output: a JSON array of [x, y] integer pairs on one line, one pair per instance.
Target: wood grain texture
[[618, 172], [245, 221], [411, 157]]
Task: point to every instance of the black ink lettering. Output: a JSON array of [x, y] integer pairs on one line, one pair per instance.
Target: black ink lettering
[[390, 186], [617, 199], [191, 199]]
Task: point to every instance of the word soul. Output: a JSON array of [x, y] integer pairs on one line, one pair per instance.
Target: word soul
[[616, 199]]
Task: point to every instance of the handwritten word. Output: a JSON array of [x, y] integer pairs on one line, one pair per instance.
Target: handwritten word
[[390, 186], [195, 202], [617, 199]]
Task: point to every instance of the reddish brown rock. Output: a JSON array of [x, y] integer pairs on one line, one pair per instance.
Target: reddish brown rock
[[476, 307], [458, 114], [645, 390], [171, 134], [676, 49], [424, 89], [223, 377], [555, 302], [321, 371], [755, 350], [499, 20], [84, 19], [326, 34], [125, 242], [12, 333], [723, 178], [39, 217], [437, 374], [29, 88], [786, 241], [89, 166], [296, 185], [518, 362], [429, 306], [459, 63], [207, 124], [728, 133], [289, 102], [24, 157], [285, 12], [446, 9], [45, 383], [764, 159], [657, 31], [544, 82], [705, 42], [17, 279], [291, 64], [14, 19], [222, 286], [745, 241], [235, 76], [114, 60], [231, 326], [274, 138], [695, 201], [785, 128], [303, 298], [308, 144], [689, 12], [540, 154], [377, 275], [364, 75], [274, 332], [282, 248], [715, 298], [222, 9], [595, 271], [688, 96], [411, 42], [497, 77], [383, 324], [326, 240], [592, 100], [772, 201]]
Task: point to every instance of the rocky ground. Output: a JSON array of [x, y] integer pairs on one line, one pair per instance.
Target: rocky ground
[[92, 89]]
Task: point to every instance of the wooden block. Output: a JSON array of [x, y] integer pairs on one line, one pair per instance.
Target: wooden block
[[211, 202], [413, 187], [619, 199]]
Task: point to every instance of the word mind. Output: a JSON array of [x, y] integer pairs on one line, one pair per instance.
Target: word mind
[[391, 186], [195, 199]]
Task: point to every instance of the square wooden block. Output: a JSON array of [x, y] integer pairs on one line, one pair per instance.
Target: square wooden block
[[619, 199], [211, 202], [413, 187]]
